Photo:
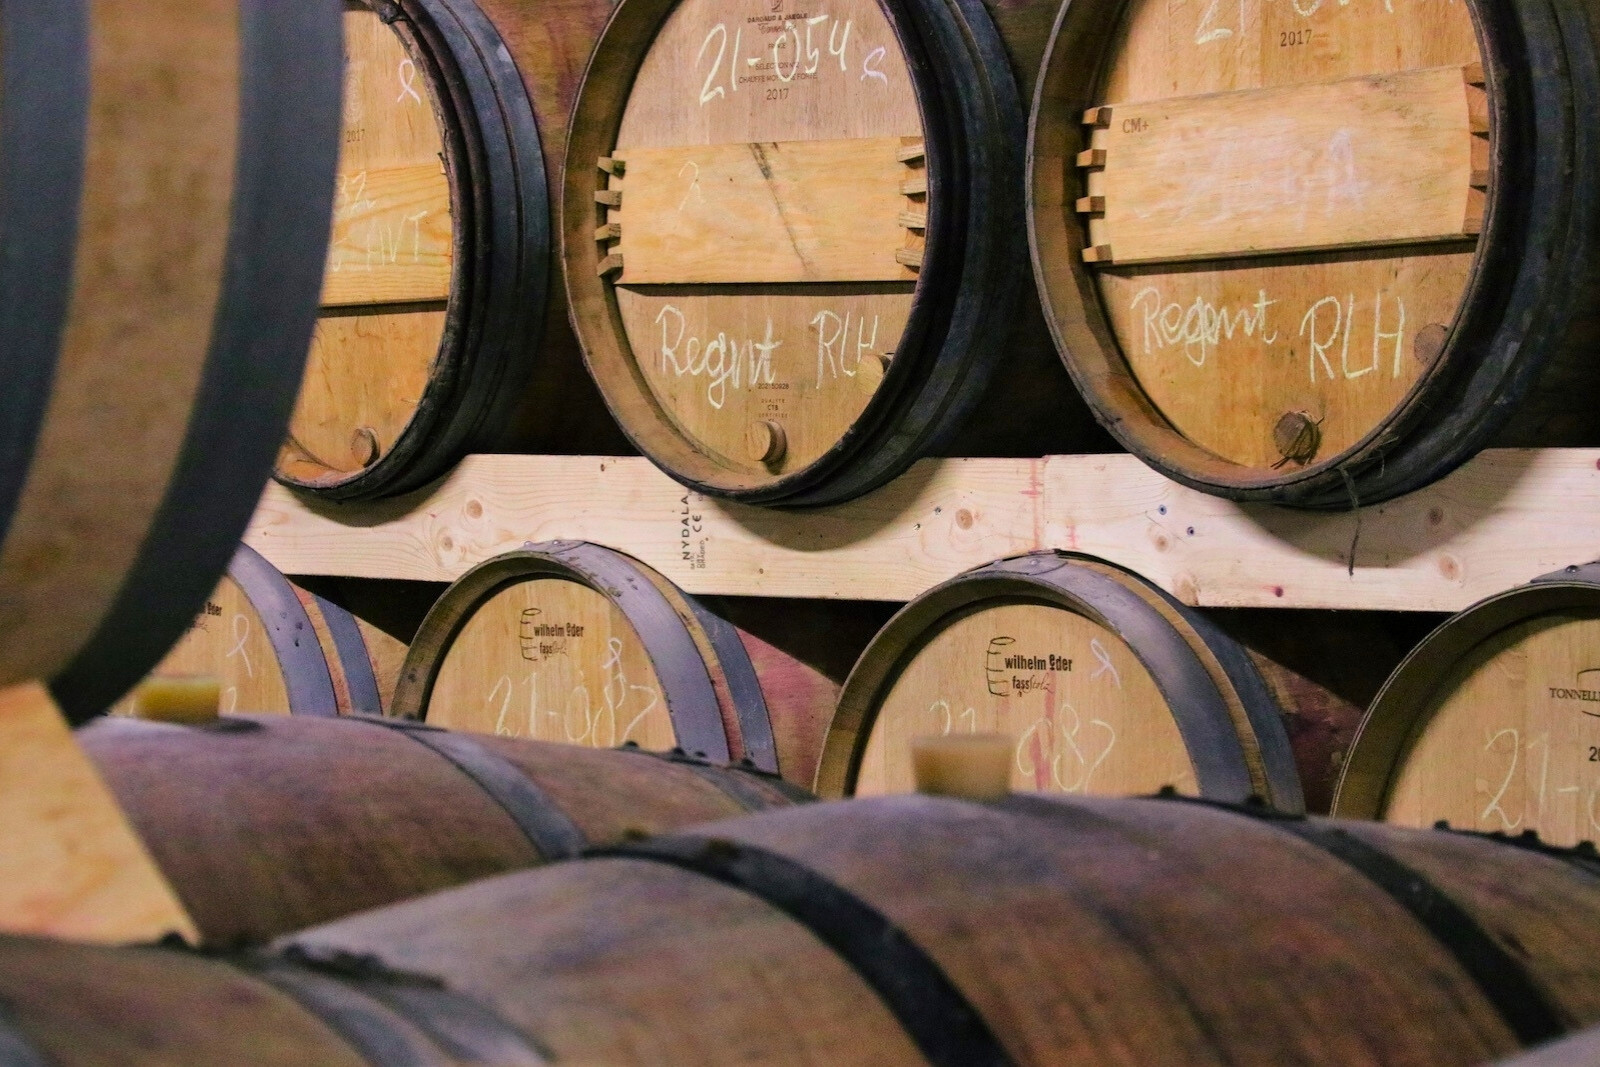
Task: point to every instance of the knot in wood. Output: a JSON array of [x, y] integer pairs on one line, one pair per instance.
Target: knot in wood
[[1296, 437]]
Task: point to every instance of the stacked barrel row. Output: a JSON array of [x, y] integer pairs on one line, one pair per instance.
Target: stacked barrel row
[[898, 930], [1105, 683], [1308, 253], [1218, 923]]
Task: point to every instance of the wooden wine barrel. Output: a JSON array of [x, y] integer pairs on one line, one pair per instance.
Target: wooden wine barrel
[[1323, 669], [437, 335], [1493, 721], [568, 641], [265, 825], [1322, 253], [793, 239], [1106, 684], [165, 181], [274, 647], [900, 930]]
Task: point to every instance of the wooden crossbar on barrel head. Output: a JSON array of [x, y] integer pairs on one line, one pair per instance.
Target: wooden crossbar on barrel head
[[392, 237], [786, 211], [1361, 162]]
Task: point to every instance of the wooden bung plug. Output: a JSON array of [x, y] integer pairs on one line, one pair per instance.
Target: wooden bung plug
[[970, 766], [364, 446], [185, 699], [765, 442], [870, 371]]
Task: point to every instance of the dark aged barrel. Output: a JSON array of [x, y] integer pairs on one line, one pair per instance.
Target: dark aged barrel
[[437, 334], [1322, 253], [960, 931], [1107, 685], [274, 647], [1493, 721], [1029, 930], [1323, 669], [792, 241], [569, 641], [265, 825], [165, 182]]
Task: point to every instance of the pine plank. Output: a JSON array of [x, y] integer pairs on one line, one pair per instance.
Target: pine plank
[[1439, 549], [70, 864], [1360, 162], [785, 211], [392, 237]]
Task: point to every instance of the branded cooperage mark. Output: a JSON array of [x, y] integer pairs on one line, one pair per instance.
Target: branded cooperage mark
[[994, 667], [541, 640], [525, 638], [1007, 672], [210, 611], [1581, 690]]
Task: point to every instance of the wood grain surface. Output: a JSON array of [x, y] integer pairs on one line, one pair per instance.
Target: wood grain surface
[[390, 264], [1511, 739], [266, 825], [72, 866], [551, 660], [152, 241], [1043, 914], [746, 350], [780, 211], [392, 236], [1439, 549], [1225, 350], [1361, 162]]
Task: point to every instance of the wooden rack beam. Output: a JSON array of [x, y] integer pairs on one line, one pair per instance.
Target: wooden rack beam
[[1436, 550]]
